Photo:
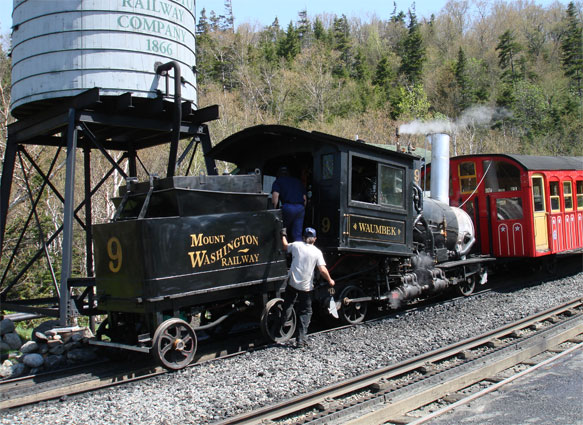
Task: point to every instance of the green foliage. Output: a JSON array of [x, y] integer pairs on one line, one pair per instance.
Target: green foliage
[[326, 69], [412, 103]]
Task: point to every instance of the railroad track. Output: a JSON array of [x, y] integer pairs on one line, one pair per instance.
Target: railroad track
[[385, 395], [90, 377]]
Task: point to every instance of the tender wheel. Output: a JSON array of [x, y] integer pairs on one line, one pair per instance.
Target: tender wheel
[[352, 312], [174, 344], [466, 288], [271, 319]]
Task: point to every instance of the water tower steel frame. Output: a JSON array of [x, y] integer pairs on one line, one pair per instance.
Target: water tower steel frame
[[89, 122]]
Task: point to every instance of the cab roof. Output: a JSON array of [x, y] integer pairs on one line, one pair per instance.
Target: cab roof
[[253, 140]]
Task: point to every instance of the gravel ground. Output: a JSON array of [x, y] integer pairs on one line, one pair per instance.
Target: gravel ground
[[212, 391]]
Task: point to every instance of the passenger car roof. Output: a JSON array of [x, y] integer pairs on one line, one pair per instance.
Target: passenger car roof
[[536, 163]]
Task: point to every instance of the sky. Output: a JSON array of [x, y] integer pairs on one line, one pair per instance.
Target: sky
[[263, 12]]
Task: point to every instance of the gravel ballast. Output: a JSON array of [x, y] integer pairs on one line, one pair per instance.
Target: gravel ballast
[[212, 391]]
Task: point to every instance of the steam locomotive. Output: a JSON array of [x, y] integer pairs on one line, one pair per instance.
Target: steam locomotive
[[187, 254]]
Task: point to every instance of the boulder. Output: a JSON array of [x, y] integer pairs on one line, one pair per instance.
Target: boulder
[[56, 348], [54, 361], [4, 347], [29, 347], [10, 370], [6, 369], [6, 326], [33, 360], [82, 355], [43, 348], [13, 340]]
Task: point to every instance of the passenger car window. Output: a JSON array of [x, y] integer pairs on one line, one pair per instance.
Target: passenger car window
[[579, 187], [538, 193], [501, 177], [567, 196], [509, 208], [555, 198], [467, 173]]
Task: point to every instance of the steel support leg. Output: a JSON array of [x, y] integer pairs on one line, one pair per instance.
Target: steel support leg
[[7, 173], [68, 217]]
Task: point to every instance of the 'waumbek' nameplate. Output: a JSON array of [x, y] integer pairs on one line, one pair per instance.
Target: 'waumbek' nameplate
[[376, 229]]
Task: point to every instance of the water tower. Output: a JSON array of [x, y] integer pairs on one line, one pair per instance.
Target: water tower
[[110, 77]]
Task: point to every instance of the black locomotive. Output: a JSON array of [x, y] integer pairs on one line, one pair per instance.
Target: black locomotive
[[185, 254]]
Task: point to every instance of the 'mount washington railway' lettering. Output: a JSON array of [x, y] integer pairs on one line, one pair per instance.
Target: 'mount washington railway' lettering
[[241, 243]]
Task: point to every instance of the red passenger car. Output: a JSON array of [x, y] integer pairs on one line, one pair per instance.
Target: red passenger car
[[522, 206]]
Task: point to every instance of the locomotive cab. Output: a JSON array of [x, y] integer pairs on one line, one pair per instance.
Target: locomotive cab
[[360, 201]]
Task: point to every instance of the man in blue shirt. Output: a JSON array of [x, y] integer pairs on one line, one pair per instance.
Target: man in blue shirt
[[292, 194]]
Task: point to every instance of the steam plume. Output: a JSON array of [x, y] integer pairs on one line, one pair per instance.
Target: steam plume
[[475, 116]]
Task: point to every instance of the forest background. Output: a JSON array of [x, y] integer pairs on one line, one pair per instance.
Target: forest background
[[498, 76]]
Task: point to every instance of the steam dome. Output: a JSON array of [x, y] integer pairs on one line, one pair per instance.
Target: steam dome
[[62, 48]]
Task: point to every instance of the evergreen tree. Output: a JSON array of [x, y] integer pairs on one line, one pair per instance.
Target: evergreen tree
[[508, 56], [462, 81], [304, 29], [289, 46], [215, 21], [268, 40], [397, 17], [227, 21], [572, 50], [361, 70], [341, 37], [319, 30], [203, 27], [384, 79], [384, 74], [413, 52]]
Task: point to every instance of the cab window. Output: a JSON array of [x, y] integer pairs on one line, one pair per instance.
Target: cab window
[[376, 183], [364, 180], [391, 190]]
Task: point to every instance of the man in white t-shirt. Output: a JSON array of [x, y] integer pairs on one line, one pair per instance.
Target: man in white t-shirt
[[305, 258]]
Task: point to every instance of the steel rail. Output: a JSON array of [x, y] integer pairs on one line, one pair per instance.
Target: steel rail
[[304, 401]]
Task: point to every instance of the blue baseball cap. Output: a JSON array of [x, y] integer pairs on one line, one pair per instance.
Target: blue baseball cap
[[309, 232]]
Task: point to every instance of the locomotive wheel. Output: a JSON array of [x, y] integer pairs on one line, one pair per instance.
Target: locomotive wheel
[[466, 287], [352, 313], [271, 325], [174, 344]]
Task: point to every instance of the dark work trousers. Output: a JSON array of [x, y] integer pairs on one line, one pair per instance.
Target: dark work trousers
[[293, 220], [304, 310]]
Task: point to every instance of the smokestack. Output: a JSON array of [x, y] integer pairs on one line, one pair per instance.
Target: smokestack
[[439, 167]]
